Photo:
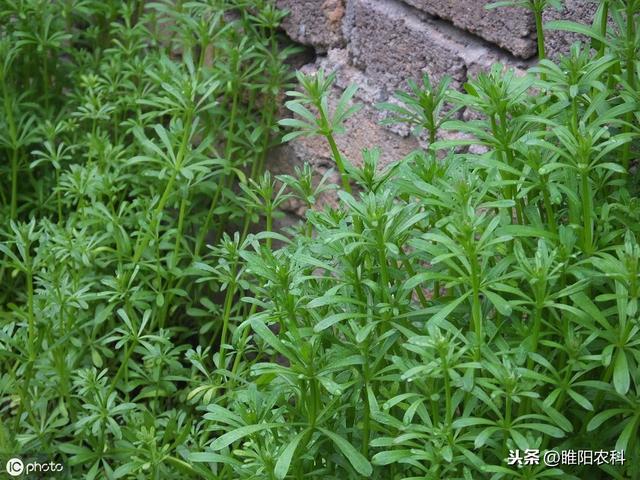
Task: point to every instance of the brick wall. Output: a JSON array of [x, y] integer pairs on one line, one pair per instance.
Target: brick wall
[[379, 44]]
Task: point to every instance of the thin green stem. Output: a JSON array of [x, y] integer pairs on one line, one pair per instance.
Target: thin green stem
[[535, 334], [204, 229], [339, 162], [58, 196], [45, 79], [447, 389], [174, 260], [226, 315], [155, 218], [507, 425], [30, 311], [269, 225], [314, 401], [258, 165], [335, 151], [586, 214], [551, 218], [366, 420], [14, 184], [476, 306], [540, 34], [124, 365], [384, 268], [604, 22], [519, 202], [13, 135], [411, 272]]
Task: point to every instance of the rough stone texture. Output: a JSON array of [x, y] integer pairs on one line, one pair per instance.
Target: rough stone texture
[[337, 61], [510, 28], [314, 22], [558, 42], [390, 43]]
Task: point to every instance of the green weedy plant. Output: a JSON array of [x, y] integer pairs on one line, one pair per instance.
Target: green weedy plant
[[453, 308], [315, 94], [132, 134], [456, 306]]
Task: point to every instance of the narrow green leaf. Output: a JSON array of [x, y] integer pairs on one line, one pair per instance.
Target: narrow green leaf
[[267, 335], [575, 27], [284, 461], [500, 303], [471, 422], [625, 436], [580, 400], [547, 429], [357, 460], [335, 318], [390, 456], [447, 309], [235, 435], [212, 457], [621, 380], [602, 417]]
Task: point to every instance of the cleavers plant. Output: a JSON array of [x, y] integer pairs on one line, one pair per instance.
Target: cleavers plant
[[475, 298], [133, 138]]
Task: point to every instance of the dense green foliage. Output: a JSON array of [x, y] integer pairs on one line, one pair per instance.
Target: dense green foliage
[[126, 128], [476, 297]]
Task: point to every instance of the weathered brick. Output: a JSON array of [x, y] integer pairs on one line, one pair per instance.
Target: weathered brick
[[314, 22], [557, 42], [483, 62], [390, 43], [511, 28], [337, 61]]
